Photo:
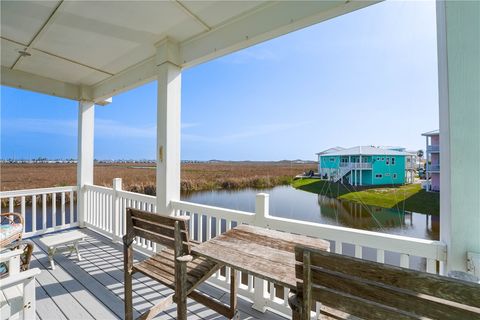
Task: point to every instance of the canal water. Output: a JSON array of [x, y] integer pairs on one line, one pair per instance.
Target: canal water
[[287, 202]]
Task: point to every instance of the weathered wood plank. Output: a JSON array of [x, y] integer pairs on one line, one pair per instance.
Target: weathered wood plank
[[168, 221], [388, 291], [387, 295], [438, 286], [251, 261]]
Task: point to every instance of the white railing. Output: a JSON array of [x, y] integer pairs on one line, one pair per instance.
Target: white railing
[[105, 213], [356, 165], [44, 210]]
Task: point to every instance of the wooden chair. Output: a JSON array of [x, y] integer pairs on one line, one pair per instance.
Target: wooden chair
[[173, 266], [373, 290]]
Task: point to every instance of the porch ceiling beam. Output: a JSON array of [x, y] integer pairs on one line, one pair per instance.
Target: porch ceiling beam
[[192, 15], [40, 32], [32, 82], [130, 78]]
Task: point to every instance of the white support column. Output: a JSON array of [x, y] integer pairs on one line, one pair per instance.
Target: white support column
[[361, 169], [458, 41], [168, 126], [86, 119]]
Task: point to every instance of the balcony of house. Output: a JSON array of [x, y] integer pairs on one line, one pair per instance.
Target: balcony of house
[[433, 148], [93, 287], [356, 165]]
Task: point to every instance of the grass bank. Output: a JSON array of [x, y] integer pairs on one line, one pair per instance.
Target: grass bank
[[409, 197]]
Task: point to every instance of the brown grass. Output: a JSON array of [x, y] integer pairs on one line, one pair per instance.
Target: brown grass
[[141, 177]]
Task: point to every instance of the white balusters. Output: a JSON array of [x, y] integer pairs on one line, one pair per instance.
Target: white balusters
[[54, 210], [34, 213], [44, 211], [71, 213], [22, 211], [358, 251], [63, 209], [404, 260], [380, 256]]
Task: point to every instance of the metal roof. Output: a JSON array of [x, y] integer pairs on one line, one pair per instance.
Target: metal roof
[[431, 133], [91, 50], [366, 151]]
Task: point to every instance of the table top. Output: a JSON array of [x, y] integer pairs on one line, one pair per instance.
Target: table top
[[264, 253], [62, 238]]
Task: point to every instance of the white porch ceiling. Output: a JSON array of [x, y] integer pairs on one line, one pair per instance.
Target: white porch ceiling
[[99, 48]]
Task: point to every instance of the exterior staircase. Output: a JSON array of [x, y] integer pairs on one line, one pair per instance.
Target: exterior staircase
[[342, 172]]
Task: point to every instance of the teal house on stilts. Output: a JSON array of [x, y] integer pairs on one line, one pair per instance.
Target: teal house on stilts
[[366, 165]]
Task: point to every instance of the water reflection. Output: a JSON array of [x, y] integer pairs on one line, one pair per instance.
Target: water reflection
[[294, 204]]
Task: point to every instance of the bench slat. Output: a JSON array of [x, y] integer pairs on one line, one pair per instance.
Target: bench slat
[[430, 284]]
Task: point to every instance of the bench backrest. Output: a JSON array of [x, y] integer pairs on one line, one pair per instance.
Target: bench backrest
[[373, 290], [171, 232]]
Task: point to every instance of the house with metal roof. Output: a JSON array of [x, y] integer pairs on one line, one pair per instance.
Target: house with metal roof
[[366, 165], [432, 160]]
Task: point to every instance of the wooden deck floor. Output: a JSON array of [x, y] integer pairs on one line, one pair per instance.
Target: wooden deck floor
[[93, 288]]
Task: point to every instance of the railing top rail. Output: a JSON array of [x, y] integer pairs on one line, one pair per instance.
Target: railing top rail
[[137, 196], [96, 188], [431, 249], [33, 192], [211, 210]]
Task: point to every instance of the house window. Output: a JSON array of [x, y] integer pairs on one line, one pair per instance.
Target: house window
[[383, 159], [332, 159], [378, 158], [393, 161], [378, 176], [394, 176], [388, 161]]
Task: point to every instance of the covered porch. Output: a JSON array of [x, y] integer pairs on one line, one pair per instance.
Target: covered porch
[[158, 41]]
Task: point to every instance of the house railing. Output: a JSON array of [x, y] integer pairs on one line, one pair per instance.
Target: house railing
[[44, 210], [356, 165], [433, 168], [106, 210]]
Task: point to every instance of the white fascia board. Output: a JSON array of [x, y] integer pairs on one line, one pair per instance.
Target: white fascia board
[[130, 78], [32, 82], [265, 23]]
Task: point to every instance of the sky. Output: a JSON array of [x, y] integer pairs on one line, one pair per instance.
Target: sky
[[365, 78]]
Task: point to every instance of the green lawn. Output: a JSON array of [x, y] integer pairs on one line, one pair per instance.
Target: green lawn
[[409, 197]]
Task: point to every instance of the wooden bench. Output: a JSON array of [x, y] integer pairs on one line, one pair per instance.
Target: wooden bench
[[373, 290], [173, 266]]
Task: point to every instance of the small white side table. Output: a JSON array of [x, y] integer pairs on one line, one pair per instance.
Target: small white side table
[[69, 240]]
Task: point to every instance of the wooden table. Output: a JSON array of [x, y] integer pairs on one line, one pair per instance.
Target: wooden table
[[264, 253]]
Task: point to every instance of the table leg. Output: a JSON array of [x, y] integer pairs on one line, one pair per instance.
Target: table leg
[[78, 251], [51, 253], [233, 293]]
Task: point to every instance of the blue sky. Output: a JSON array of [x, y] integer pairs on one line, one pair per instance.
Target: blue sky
[[366, 78]]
